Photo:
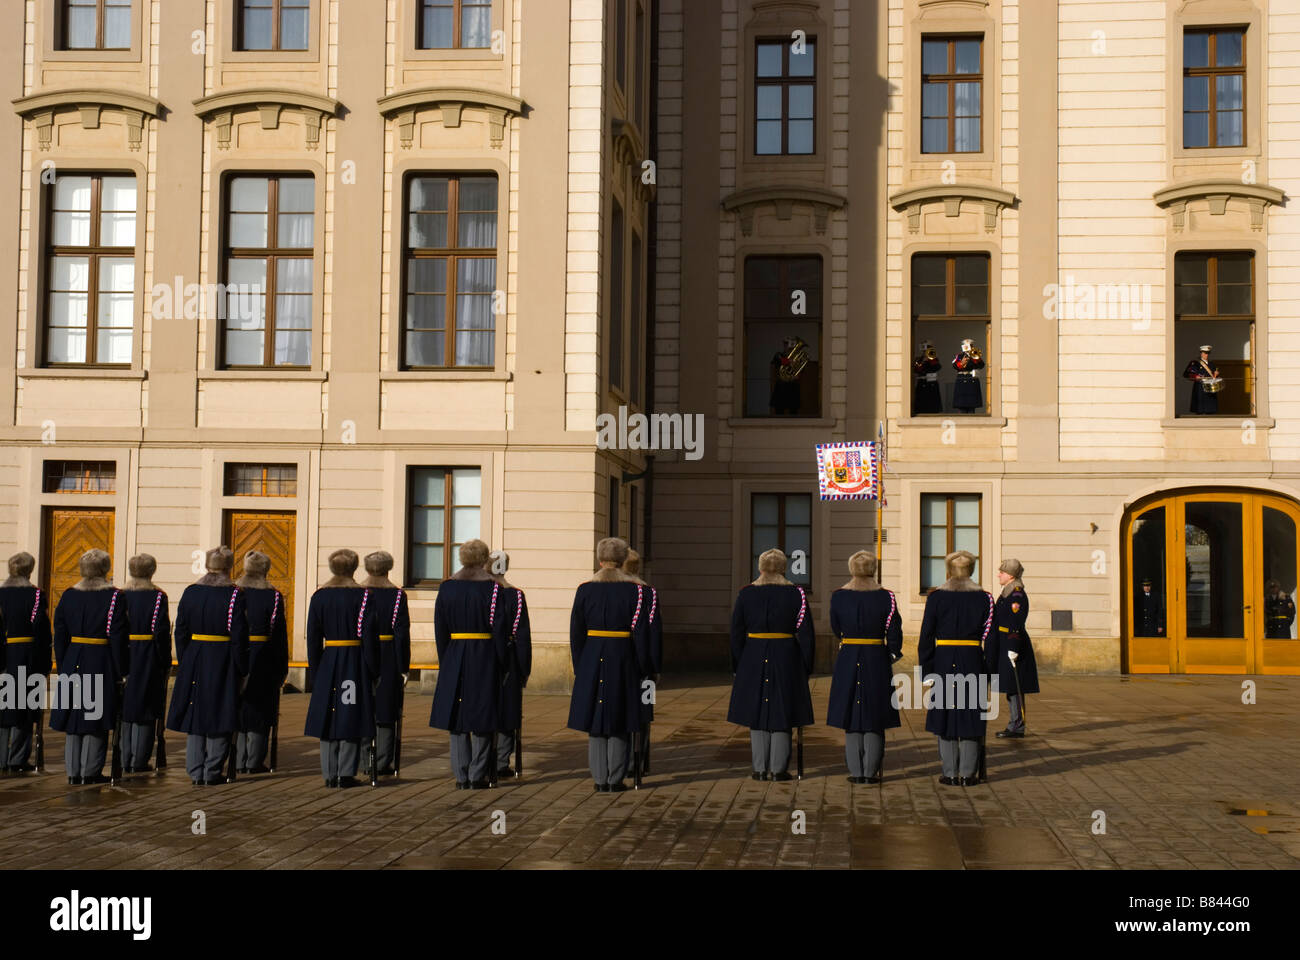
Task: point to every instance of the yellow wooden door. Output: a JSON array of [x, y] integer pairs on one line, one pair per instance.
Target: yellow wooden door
[[70, 532], [1211, 580], [271, 533]]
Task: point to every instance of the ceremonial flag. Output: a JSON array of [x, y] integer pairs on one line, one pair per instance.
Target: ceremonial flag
[[850, 471]]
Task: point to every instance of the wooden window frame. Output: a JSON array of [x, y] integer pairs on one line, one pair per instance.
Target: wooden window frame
[[63, 44], [449, 557], [1213, 72], [86, 471], [229, 481], [785, 81], [747, 320], [950, 314], [1212, 315], [951, 79], [277, 8], [781, 498], [950, 526], [93, 253], [457, 6]]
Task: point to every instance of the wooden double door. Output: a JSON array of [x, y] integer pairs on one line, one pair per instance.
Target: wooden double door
[[68, 533], [274, 534], [1208, 576]]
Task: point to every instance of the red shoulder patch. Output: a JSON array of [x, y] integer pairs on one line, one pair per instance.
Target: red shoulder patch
[[1015, 607]]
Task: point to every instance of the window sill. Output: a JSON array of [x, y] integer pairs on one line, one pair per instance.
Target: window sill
[[469, 54], [770, 422], [305, 375], [93, 56], [434, 375], [89, 373], [938, 420], [1227, 421]]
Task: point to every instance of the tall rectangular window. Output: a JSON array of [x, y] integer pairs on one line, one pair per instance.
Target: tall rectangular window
[[273, 24], [636, 335], [783, 325], [95, 24], [782, 521], [451, 271], [633, 516], [949, 522], [90, 282], [1214, 306], [613, 506], [1214, 87], [639, 98], [950, 304], [620, 43], [269, 269], [785, 96], [443, 507], [617, 281], [455, 24], [952, 92]]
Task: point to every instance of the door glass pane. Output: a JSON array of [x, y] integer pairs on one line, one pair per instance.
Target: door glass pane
[[1279, 575], [1213, 570], [1149, 574]]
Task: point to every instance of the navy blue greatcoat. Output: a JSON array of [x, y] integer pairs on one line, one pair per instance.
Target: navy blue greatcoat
[[519, 659], [607, 670], [394, 620], [94, 614], [770, 691], [24, 612], [467, 697], [861, 682], [205, 700], [962, 614], [268, 657], [343, 657], [149, 659], [1009, 633]]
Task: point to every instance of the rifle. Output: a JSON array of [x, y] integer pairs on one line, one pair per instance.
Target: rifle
[[160, 761], [231, 760], [374, 758], [492, 760], [519, 751], [40, 740], [645, 747], [799, 754], [636, 759], [397, 731], [275, 734], [115, 770]]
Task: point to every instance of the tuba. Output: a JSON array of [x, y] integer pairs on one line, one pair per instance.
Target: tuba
[[930, 353], [793, 361]]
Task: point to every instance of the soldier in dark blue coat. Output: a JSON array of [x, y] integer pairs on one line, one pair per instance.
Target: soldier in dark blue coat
[[865, 619], [268, 663], [772, 647], [609, 642], [394, 619], [519, 664], [343, 660], [958, 618], [1203, 373], [472, 637], [1009, 652], [91, 635], [212, 655], [1279, 611], [149, 661], [25, 618], [650, 684]]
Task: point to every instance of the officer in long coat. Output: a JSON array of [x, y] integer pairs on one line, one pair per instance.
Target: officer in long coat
[[268, 663], [1009, 654], [1279, 612], [212, 654], [958, 618], [519, 664], [650, 684], [772, 647], [394, 625], [149, 661], [25, 618], [1150, 615], [91, 636], [472, 638], [865, 620], [343, 660]]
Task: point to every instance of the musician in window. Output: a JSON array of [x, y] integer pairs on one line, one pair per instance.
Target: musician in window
[[787, 367], [926, 368], [1206, 382], [967, 394]]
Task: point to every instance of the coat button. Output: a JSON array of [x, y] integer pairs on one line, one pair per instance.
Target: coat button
[[600, 701]]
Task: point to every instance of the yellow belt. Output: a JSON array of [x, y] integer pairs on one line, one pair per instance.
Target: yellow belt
[[20, 639], [862, 642], [258, 639], [385, 637], [92, 641], [957, 643], [141, 636], [1004, 629], [609, 633], [209, 637], [771, 636], [342, 643], [469, 636]]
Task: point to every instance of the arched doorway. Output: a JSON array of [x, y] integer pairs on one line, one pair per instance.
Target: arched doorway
[[1198, 568]]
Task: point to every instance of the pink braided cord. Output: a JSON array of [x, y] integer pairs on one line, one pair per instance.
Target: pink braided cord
[[637, 615], [803, 608], [397, 605], [230, 610], [361, 616], [112, 605], [893, 608], [519, 611], [275, 607], [988, 624], [492, 610], [37, 605], [654, 604], [157, 605]]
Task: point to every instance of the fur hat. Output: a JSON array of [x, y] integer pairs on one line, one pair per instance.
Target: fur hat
[[1013, 568], [632, 564], [220, 559], [343, 563], [772, 561], [379, 563], [256, 564], [474, 553], [94, 565], [960, 565], [612, 550], [862, 564], [21, 565], [142, 566]]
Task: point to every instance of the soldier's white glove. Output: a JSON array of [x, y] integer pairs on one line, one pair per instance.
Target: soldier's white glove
[[1013, 657], [405, 677]]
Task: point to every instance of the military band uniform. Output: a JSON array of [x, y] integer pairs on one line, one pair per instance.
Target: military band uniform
[[212, 657], [1202, 402], [772, 647], [926, 398], [967, 394], [865, 620], [25, 621], [268, 664], [1010, 636], [91, 635], [958, 617], [343, 660], [394, 620], [609, 642], [149, 661]]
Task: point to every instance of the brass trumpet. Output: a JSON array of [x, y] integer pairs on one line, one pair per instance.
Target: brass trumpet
[[795, 360], [974, 353]]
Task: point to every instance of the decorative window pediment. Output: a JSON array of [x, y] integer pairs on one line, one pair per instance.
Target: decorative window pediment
[[629, 153], [952, 196], [499, 107], [938, 8], [220, 108], [783, 200], [1217, 193], [40, 108]]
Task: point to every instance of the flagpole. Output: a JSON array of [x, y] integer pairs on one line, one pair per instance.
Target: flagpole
[[880, 505]]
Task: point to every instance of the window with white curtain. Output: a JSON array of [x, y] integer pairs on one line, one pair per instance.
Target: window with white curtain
[[452, 24], [443, 511]]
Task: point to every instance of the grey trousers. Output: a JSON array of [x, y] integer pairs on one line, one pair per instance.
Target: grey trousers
[[84, 754], [137, 745], [339, 758], [385, 745], [863, 752], [469, 756], [205, 757], [607, 758], [505, 750], [250, 747], [960, 758], [771, 750], [15, 745], [1016, 722]]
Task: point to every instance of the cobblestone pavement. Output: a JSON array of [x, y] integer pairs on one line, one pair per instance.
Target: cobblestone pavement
[[1174, 764]]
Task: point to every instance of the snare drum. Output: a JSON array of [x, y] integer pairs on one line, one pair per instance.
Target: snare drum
[[1212, 384]]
